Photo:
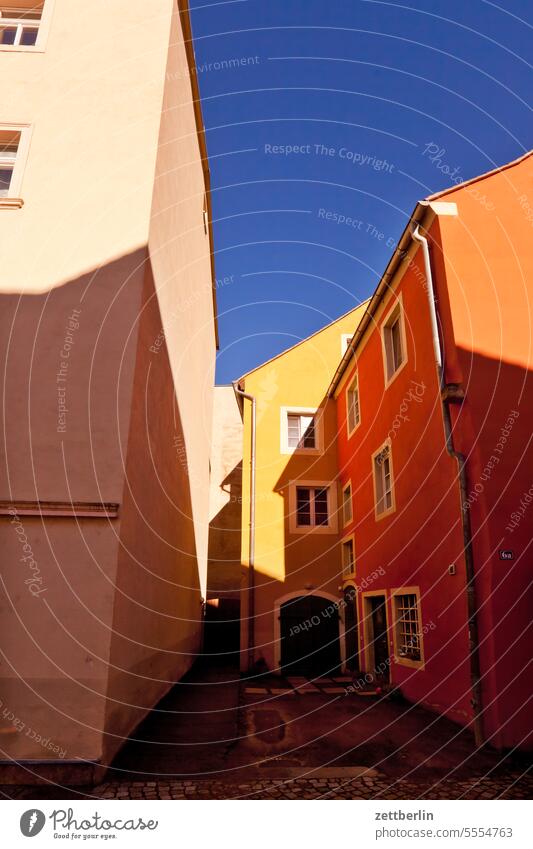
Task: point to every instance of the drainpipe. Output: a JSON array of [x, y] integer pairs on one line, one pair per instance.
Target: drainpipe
[[473, 634], [251, 555]]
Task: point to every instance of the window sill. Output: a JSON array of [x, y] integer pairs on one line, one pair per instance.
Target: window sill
[[11, 203], [20, 48], [310, 451], [395, 374], [312, 529], [379, 516], [412, 664]]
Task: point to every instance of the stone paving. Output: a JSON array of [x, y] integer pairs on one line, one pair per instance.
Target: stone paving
[[511, 785]]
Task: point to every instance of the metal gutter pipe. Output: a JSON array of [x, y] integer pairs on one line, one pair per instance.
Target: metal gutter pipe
[[473, 633], [418, 237], [251, 553]]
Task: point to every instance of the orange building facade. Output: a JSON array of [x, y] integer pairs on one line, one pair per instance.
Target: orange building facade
[[434, 433]]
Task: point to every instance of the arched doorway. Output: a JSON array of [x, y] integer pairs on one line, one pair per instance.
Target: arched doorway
[[351, 636], [309, 636]]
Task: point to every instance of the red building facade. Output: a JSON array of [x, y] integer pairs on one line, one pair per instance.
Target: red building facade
[[434, 399]]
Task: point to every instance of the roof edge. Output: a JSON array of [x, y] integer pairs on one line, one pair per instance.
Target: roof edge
[[480, 177], [301, 342], [186, 28], [416, 217]]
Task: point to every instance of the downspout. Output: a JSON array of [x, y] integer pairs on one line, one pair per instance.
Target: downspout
[[473, 634], [251, 552]]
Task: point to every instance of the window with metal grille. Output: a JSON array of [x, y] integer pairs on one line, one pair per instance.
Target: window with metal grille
[[19, 23], [348, 558], [383, 480], [407, 626], [9, 145], [354, 413], [393, 341], [311, 506], [301, 431]]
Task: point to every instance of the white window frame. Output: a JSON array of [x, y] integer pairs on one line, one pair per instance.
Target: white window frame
[[380, 514], [349, 540], [349, 390], [346, 338], [316, 413], [331, 527], [347, 519], [396, 594], [396, 311], [13, 200], [43, 29]]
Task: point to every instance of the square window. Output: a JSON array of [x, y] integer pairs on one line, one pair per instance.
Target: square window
[[346, 338], [301, 431], [312, 508]]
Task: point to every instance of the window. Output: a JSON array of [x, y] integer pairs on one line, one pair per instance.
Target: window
[[347, 514], [407, 627], [348, 558], [311, 506], [352, 405], [19, 23], [9, 145], [394, 342], [301, 431], [383, 483], [346, 338]]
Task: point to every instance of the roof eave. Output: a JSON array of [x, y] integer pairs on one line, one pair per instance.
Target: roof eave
[[417, 216]]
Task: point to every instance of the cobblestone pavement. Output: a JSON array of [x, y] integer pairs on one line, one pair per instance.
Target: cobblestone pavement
[[512, 785]]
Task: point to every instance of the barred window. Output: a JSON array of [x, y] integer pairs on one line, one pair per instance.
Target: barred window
[[407, 626]]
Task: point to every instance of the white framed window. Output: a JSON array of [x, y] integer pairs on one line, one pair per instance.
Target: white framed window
[[353, 407], [383, 481], [24, 24], [393, 340], [346, 338], [312, 507], [348, 557], [300, 430], [407, 632], [14, 143], [347, 510]]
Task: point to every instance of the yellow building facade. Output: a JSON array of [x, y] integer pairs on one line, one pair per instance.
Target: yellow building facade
[[297, 570]]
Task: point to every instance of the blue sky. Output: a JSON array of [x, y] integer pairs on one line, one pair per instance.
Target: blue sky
[[382, 104]]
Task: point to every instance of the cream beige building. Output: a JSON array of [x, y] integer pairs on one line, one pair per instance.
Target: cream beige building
[[108, 337]]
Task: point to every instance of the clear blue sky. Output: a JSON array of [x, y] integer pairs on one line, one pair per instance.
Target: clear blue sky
[[363, 87]]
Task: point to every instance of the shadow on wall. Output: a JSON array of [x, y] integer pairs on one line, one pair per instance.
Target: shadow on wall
[[222, 618], [93, 417]]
